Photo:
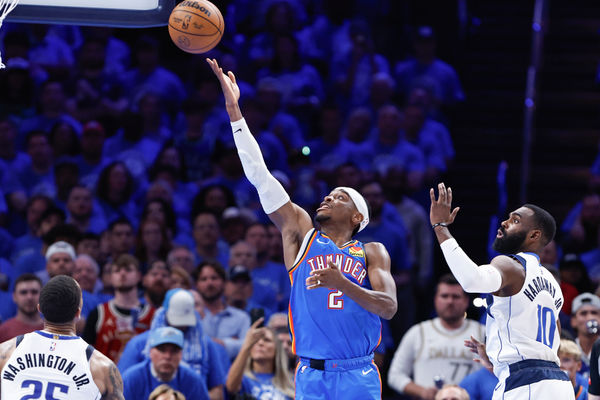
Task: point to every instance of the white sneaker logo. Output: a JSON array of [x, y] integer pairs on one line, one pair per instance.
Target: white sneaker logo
[[367, 372]]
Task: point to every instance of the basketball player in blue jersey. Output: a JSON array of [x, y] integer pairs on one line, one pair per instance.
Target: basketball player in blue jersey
[[340, 286], [522, 326], [55, 363]]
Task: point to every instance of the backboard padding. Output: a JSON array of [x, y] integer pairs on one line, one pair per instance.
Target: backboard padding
[[115, 13]]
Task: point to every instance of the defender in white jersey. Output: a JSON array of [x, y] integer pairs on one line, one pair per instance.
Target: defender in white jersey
[[523, 329], [54, 363]]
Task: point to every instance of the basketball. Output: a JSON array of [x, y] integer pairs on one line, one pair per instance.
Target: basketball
[[196, 26]]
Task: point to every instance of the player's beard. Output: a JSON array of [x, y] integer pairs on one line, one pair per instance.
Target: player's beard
[[509, 244]]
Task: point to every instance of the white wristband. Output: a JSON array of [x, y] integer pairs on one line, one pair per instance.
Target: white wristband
[[473, 278]]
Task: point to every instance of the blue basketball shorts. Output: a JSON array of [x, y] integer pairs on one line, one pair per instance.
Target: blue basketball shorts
[[349, 379]]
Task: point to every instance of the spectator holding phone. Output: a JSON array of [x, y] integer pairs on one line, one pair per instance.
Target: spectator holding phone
[[260, 368]]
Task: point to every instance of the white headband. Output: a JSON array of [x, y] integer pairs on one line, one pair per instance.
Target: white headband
[[360, 203], [60, 247]]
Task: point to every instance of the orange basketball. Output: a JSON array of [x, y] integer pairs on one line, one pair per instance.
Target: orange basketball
[[196, 26]]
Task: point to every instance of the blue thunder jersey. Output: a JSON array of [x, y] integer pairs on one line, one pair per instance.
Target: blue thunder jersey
[[524, 326], [325, 323]]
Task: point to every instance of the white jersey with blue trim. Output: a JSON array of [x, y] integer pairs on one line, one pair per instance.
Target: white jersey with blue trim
[[49, 366], [524, 326]]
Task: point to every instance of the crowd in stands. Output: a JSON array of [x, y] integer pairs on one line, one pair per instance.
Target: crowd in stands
[[117, 167]]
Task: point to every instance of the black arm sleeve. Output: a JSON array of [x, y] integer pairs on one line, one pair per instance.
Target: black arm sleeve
[[594, 373], [89, 332]]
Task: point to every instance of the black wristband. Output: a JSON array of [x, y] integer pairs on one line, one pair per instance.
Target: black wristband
[[438, 224]]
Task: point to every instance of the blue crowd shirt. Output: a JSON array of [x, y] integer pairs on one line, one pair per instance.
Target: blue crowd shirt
[[262, 388], [139, 382], [230, 326], [480, 384]]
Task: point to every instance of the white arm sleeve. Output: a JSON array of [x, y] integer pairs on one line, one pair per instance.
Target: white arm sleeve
[[272, 195], [473, 278]]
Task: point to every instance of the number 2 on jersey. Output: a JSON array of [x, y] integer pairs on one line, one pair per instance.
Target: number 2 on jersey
[[334, 300], [38, 388], [546, 325]]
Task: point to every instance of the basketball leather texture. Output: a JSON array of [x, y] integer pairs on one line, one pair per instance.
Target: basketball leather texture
[[196, 26]]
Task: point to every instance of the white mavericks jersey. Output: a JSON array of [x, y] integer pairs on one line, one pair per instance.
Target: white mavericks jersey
[[524, 326], [443, 353], [49, 366]]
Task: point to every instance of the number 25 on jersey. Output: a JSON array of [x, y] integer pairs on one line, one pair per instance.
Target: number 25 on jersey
[[38, 388]]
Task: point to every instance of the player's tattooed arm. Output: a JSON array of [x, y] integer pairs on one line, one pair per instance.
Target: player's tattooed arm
[[114, 384], [6, 350], [106, 376]]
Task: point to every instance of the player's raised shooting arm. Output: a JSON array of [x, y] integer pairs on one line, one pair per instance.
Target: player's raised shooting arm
[[106, 377], [273, 197]]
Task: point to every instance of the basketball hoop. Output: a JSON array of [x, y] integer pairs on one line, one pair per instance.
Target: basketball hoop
[[6, 6]]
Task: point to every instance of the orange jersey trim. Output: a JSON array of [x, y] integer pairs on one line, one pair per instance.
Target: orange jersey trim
[[352, 243], [379, 376], [292, 331]]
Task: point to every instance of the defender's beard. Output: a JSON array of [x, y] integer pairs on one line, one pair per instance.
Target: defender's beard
[[509, 244]]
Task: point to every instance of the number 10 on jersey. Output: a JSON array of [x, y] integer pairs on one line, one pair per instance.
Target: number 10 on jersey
[[546, 325]]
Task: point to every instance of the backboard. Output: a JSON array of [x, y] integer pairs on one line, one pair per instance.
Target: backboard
[[115, 13]]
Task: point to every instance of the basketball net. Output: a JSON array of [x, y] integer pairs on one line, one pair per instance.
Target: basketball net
[[6, 6]]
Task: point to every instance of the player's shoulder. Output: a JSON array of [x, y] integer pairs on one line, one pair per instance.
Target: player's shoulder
[[100, 364], [503, 261], [374, 246], [375, 251]]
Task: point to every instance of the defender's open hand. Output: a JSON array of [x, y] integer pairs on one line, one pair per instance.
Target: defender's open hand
[[478, 348], [440, 208]]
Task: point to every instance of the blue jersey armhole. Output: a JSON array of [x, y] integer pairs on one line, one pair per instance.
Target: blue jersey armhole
[[520, 259]]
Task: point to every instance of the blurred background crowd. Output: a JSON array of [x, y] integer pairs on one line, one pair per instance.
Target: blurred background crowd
[[117, 167]]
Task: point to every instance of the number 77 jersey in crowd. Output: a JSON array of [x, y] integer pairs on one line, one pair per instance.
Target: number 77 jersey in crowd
[[524, 326], [49, 366], [325, 323]]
